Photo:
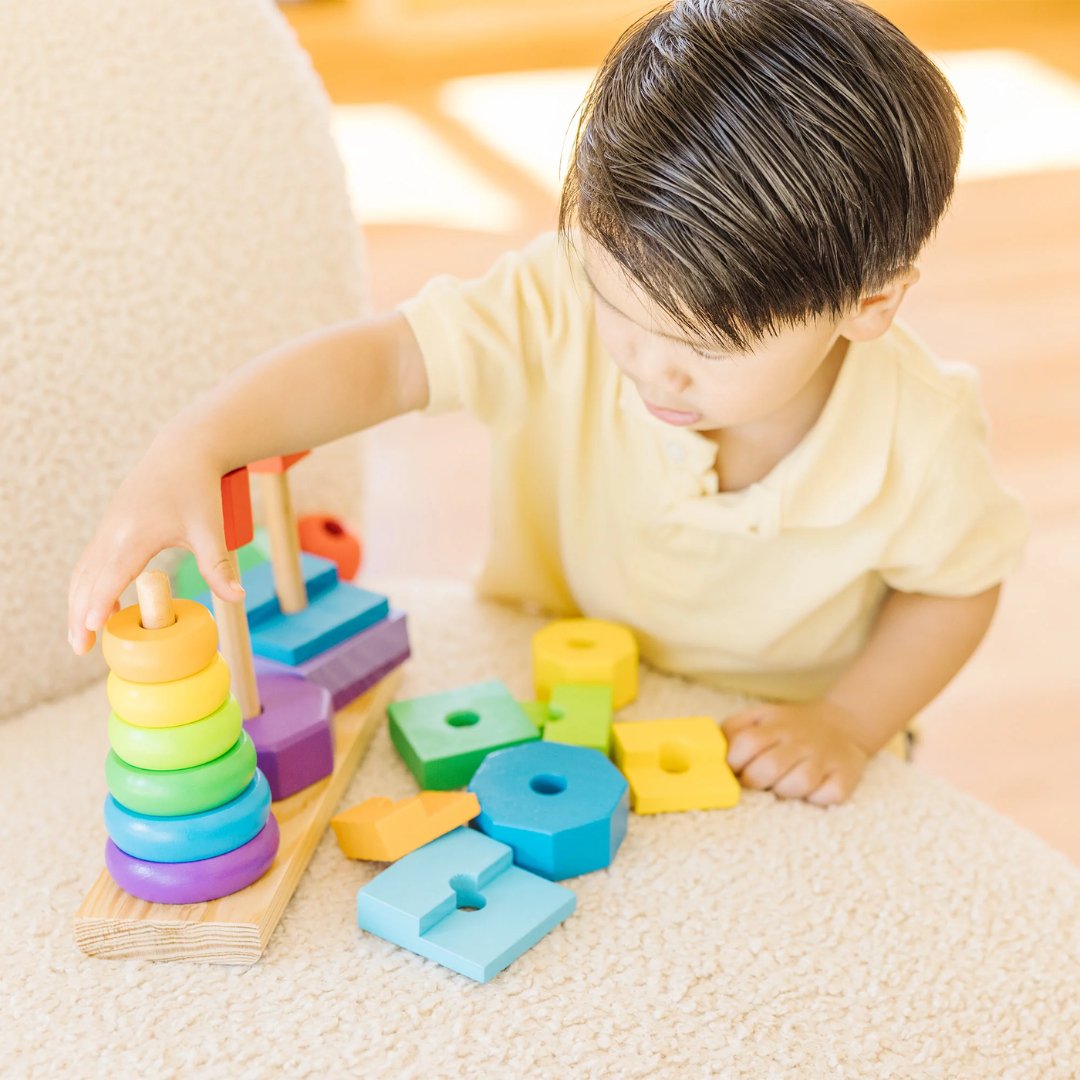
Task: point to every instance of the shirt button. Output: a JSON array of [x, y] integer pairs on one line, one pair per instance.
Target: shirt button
[[676, 452]]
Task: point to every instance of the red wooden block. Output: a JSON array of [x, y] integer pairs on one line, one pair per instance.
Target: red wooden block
[[277, 464], [236, 509]]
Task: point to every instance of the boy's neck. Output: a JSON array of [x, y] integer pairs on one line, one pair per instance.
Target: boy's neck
[[749, 452]]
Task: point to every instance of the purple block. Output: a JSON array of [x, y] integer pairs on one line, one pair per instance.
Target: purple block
[[293, 736], [352, 667]]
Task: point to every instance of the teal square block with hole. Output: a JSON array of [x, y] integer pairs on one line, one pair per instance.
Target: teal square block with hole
[[461, 902], [444, 737]]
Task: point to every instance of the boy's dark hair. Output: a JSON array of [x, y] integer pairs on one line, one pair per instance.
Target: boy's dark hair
[[754, 163]]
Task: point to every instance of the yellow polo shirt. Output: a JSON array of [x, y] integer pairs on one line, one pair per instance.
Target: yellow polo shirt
[[601, 509]]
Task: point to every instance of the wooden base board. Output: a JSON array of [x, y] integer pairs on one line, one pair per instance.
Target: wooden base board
[[236, 928]]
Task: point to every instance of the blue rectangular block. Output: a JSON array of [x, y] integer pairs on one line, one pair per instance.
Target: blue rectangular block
[[335, 612], [461, 902]]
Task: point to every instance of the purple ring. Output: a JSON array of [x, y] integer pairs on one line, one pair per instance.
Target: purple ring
[[194, 882]]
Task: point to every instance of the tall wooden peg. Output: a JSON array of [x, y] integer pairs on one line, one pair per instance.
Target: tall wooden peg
[[283, 531], [155, 600]]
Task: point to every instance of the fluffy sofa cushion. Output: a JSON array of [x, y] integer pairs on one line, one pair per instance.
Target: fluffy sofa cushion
[[172, 205]]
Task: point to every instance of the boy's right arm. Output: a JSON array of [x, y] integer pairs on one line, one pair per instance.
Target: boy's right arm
[[309, 391]]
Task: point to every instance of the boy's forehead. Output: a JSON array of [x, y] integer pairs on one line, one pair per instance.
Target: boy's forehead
[[617, 289]]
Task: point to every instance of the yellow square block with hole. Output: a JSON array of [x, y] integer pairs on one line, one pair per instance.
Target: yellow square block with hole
[[672, 765]]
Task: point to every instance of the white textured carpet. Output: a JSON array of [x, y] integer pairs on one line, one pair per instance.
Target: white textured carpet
[[910, 933]]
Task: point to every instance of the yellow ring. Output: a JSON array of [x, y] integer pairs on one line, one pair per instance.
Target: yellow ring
[[181, 747], [170, 704], [157, 656]]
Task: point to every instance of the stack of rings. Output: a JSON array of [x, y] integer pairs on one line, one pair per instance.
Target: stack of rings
[[188, 812]]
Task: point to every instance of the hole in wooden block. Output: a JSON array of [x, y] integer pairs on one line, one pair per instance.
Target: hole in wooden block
[[548, 784], [463, 718], [469, 897], [333, 528], [555, 714], [580, 643], [674, 757]]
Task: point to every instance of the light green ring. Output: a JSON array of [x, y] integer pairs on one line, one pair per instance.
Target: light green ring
[[180, 747], [175, 792]]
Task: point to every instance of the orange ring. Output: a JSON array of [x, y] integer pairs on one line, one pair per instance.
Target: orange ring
[[154, 656]]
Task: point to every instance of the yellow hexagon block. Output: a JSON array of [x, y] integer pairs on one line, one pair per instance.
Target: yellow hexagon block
[[672, 765], [586, 651]]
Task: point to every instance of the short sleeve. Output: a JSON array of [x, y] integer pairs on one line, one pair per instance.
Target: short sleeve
[[484, 341], [964, 532]]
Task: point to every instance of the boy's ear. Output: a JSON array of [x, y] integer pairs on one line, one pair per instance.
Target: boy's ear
[[873, 314]]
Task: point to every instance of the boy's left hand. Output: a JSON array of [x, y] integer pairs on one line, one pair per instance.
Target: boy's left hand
[[798, 751]]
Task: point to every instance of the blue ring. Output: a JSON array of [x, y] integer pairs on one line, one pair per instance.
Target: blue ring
[[190, 837]]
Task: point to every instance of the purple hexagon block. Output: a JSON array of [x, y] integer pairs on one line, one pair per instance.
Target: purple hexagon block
[[293, 736]]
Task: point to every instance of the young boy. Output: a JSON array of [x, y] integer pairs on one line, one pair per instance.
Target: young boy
[[705, 423]]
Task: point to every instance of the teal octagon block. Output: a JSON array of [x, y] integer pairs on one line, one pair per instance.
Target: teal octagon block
[[461, 902], [563, 809], [444, 737]]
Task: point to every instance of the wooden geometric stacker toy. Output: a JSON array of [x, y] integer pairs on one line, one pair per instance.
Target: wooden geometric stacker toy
[[187, 804]]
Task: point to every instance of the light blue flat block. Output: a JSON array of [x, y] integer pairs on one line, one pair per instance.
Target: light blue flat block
[[190, 837], [261, 602], [562, 809], [420, 903]]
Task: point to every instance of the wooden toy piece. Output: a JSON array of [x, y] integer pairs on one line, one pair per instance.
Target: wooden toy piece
[[355, 664], [383, 830], [154, 597], [321, 534], [163, 654], [235, 928], [444, 737], [169, 704], [236, 509], [167, 793], [293, 735], [181, 747], [195, 882], [284, 542], [563, 809], [335, 612], [461, 902], [190, 837], [678, 764], [586, 651], [580, 715]]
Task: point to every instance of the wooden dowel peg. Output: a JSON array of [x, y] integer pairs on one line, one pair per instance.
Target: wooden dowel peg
[[234, 641], [284, 542], [155, 600]]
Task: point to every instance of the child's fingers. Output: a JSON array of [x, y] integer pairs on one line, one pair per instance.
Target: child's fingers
[[829, 792], [217, 567], [801, 779], [732, 725], [768, 767], [749, 743]]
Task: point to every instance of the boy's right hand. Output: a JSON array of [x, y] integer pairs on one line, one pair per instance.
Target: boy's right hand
[[172, 498]]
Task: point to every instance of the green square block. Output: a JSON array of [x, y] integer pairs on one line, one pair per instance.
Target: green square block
[[578, 714], [444, 737]]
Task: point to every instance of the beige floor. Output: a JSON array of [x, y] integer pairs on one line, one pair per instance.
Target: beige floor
[[999, 288]]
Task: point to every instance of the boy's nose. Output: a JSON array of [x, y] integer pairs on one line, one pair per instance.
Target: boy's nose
[[675, 379]]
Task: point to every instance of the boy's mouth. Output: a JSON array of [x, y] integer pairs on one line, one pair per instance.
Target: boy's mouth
[[673, 416]]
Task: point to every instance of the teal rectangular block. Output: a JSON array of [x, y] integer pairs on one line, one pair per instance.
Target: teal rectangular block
[[335, 612], [444, 737], [461, 902]]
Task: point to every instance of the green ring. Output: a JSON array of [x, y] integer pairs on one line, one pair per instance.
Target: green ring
[[177, 747], [174, 792]]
